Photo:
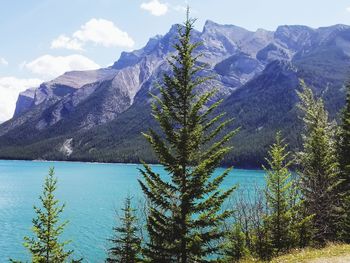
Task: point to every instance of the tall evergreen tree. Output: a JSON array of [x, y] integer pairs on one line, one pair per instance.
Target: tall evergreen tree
[[279, 188], [344, 169], [185, 213], [126, 242], [318, 167], [46, 246]]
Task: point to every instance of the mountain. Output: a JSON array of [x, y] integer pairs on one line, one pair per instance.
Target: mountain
[[98, 115]]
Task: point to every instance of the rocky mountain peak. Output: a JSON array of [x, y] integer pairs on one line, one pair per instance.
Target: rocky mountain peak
[[295, 37], [211, 26], [24, 101], [255, 69], [77, 79]]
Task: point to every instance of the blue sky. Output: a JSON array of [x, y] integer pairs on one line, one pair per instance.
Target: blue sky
[[40, 39]]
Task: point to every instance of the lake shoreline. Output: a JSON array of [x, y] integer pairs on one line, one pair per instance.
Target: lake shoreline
[[118, 163]]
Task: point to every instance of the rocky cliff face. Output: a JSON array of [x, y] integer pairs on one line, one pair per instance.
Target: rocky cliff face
[[24, 102], [251, 69]]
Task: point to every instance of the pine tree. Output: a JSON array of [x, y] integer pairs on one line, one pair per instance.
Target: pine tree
[[126, 243], [46, 246], [279, 188], [301, 227], [236, 248], [185, 214], [318, 167], [344, 169]]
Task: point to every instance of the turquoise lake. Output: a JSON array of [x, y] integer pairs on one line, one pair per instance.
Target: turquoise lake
[[92, 193]]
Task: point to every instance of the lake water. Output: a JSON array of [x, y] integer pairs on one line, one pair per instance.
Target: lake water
[[92, 193]]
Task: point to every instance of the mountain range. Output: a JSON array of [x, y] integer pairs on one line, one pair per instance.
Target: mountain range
[[98, 115]]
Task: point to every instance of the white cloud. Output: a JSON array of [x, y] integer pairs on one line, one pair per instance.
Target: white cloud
[[348, 9], [65, 42], [3, 62], [97, 31], [104, 32], [155, 7], [10, 87], [48, 66]]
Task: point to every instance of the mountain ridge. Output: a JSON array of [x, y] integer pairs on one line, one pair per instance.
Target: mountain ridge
[[87, 109]]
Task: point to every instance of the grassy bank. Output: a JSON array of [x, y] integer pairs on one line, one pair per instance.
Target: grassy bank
[[334, 253]]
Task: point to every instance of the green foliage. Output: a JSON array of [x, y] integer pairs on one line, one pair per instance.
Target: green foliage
[[251, 212], [344, 168], [318, 167], [185, 214], [126, 243], [46, 247], [236, 248], [261, 239], [344, 224], [279, 191], [344, 144], [301, 221]]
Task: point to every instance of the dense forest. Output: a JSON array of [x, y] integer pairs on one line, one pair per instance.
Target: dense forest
[[306, 200]]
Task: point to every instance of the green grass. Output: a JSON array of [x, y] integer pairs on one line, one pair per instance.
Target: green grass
[[331, 253]]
